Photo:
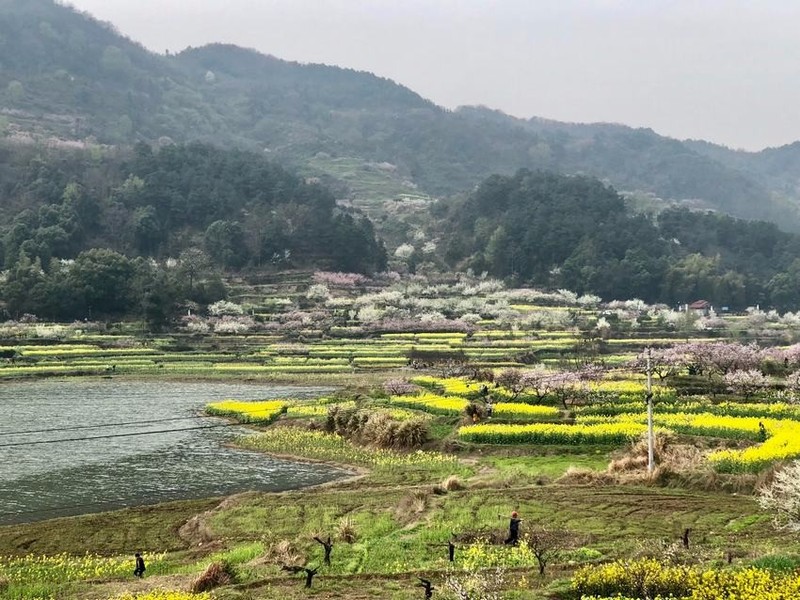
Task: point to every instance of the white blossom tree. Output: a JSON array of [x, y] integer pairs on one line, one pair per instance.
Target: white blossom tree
[[782, 497]]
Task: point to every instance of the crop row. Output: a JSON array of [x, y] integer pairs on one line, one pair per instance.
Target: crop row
[[261, 412], [702, 424], [306, 410], [649, 578], [64, 568], [761, 410], [551, 433], [165, 595], [439, 405], [784, 444]]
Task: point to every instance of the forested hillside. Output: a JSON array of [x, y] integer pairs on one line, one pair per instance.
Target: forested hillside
[[575, 232], [209, 209], [63, 74]]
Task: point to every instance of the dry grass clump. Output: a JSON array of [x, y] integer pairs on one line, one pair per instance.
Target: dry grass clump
[[635, 458], [346, 530], [216, 575], [678, 465], [585, 476], [670, 458], [283, 552], [196, 530], [453, 483], [414, 503]]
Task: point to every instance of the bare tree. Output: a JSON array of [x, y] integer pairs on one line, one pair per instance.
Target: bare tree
[[548, 544], [328, 545]]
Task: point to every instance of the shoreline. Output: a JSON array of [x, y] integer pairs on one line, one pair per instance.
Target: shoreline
[[357, 474]]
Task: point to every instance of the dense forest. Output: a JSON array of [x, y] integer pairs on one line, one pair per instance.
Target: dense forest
[[577, 233], [64, 74], [204, 207]]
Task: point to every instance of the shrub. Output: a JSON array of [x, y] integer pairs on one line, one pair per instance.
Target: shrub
[[411, 434], [381, 429]]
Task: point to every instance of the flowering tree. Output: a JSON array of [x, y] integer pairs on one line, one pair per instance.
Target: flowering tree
[[721, 357], [478, 585], [404, 251], [537, 381], [782, 497], [790, 356], [746, 382], [231, 324], [793, 385], [664, 362], [319, 292], [566, 386], [399, 387], [337, 279], [512, 380], [223, 307]]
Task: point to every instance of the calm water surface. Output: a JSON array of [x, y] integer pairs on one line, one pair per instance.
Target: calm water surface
[[156, 464]]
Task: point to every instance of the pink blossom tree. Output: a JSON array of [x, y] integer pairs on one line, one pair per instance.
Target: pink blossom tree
[[718, 358], [665, 363], [745, 382]]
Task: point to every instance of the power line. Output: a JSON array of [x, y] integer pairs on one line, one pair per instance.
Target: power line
[[117, 435], [77, 427], [140, 422], [108, 436], [133, 433]]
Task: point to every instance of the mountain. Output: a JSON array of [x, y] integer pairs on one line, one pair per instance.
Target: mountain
[[67, 75]]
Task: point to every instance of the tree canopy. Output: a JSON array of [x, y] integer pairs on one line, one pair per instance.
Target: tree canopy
[[575, 232]]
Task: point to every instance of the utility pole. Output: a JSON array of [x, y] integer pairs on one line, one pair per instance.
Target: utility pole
[[650, 441]]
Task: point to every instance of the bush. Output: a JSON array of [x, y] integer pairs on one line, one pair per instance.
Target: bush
[[378, 429]]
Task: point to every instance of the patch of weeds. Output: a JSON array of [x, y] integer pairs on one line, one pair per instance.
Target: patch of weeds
[[742, 523], [778, 562]]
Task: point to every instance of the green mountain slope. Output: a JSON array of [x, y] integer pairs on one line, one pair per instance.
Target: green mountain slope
[[65, 74], [574, 232]]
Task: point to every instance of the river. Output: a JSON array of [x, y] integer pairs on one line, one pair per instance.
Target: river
[[78, 446]]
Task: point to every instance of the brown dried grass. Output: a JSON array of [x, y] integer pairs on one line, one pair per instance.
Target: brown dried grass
[[346, 530], [216, 575], [453, 483], [283, 552]]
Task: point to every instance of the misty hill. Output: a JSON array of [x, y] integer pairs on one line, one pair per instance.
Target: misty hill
[[65, 74], [575, 232]]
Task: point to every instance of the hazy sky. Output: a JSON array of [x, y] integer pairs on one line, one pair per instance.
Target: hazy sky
[[723, 70]]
